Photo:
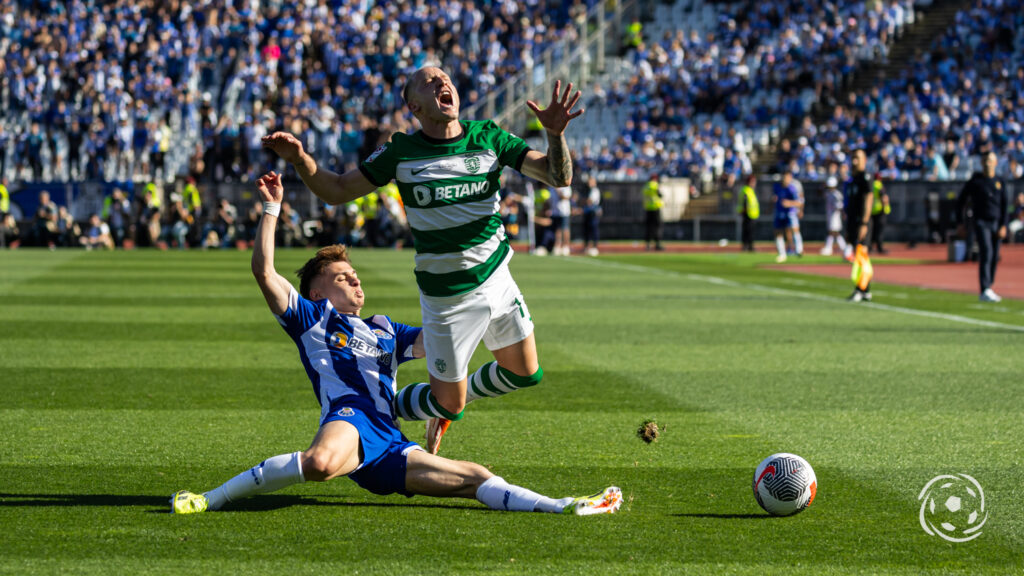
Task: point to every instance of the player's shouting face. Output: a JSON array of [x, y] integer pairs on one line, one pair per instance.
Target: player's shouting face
[[339, 284], [431, 95]]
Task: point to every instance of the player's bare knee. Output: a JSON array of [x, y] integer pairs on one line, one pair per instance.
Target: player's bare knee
[[319, 465], [473, 475]]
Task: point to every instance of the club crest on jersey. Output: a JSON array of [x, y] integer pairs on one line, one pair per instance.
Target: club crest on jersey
[[472, 164], [346, 411], [380, 150], [382, 334], [339, 339]]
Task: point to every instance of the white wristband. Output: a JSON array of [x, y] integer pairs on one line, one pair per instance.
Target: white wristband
[[272, 208]]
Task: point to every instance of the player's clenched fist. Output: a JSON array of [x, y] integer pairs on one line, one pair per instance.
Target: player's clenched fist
[[288, 147], [270, 187]]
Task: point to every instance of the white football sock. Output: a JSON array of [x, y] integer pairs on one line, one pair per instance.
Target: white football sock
[[798, 242], [828, 242], [500, 495], [780, 245], [841, 243], [267, 476]]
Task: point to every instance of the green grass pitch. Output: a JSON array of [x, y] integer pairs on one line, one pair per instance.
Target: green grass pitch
[[126, 376]]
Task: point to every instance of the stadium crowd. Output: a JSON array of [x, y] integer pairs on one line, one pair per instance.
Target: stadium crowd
[[144, 89], [150, 91], [698, 101], [183, 221], [963, 97]]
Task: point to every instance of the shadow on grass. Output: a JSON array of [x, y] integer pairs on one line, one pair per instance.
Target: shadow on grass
[[13, 500], [274, 502], [256, 504], [725, 516]]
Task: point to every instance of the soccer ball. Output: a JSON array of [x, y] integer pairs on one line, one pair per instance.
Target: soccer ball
[[784, 484]]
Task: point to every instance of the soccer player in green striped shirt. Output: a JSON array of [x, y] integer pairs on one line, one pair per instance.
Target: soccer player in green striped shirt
[[448, 175]]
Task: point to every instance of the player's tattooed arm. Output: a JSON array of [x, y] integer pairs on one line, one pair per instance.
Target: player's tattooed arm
[[559, 160]]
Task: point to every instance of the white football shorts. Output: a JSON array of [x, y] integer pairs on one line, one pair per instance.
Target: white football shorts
[[453, 326]]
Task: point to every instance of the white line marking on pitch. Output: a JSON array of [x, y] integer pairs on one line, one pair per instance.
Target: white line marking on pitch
[[799, 294]]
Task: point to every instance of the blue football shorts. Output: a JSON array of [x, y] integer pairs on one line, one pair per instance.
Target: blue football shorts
[[385, 448]]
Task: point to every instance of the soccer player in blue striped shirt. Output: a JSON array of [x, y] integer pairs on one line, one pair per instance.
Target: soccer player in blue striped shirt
[[352, 363]]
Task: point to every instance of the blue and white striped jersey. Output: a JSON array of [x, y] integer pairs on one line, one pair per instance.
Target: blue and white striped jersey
[[345, 355]]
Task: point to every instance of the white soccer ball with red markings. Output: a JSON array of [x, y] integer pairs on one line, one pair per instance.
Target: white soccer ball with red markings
[[784, 484]]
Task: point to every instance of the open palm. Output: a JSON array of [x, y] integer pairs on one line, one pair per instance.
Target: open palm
[[559, 112]]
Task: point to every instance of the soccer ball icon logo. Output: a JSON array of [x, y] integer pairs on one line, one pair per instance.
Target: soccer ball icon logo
[[953, 508]]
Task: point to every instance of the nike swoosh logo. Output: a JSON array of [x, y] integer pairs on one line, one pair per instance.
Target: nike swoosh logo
[[415, 172]]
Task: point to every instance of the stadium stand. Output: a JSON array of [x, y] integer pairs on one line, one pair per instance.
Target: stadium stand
[[716, 82], [128, 90], [151, 91]]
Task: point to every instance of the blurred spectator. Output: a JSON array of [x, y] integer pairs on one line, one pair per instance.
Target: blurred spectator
[[179, 223], [10, 234], [147, 229], [509, 211], [44, 227], [224, 223], [880, 210], [591, 217], [97, 234], [289, 227], [561, 216], [252, 221], [834, 204], [653, 204], [67, 230], [750, 210], [117, 213]]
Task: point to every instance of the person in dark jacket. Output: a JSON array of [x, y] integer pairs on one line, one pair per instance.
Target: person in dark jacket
[[990, 206], [858, 201]]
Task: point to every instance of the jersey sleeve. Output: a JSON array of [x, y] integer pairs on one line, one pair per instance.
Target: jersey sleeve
[[511, 149], [405, 337], [301, 315], [380, 166]]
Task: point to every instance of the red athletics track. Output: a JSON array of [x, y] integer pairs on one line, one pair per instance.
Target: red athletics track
[[934, 273]]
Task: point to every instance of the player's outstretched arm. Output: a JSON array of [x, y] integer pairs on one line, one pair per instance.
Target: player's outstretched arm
[[328, 186], [274, 286], [555, 167]]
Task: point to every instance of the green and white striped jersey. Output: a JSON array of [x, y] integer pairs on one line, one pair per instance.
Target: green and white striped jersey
[[451, 194]]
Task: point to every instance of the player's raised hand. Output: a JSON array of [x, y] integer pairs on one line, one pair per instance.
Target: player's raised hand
[[270, 187], [559, 112], [285, 145]]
